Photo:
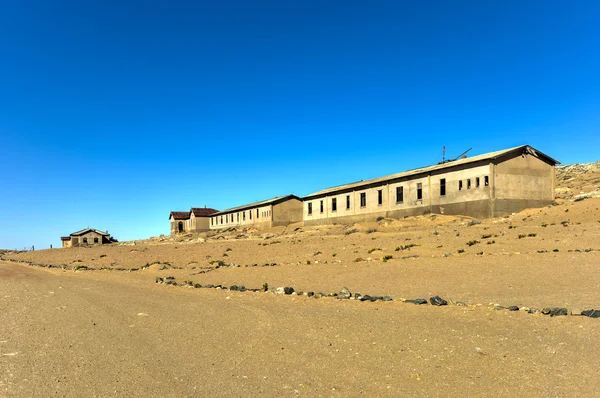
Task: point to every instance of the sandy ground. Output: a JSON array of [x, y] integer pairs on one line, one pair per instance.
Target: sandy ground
[[99, 325], [103, 334]]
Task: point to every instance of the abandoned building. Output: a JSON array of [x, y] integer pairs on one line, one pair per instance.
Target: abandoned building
[[87, 237], [274, 212], [489, 185], [195, 220]]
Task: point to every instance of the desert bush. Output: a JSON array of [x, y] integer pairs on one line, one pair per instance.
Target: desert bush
[[486, 236], [387, 257], [521, 236], [472, 242], [372, 250]]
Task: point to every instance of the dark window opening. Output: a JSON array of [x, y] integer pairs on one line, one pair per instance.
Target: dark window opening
[[363, 199], [256, 213], [347, 202], [380, 197], [321, 206], [221, 219], [238, 217], [180, 226], [212, 221], [85, 239], [486, 181], [476, 182], [250, 214], [399, 194], [95, 240], [469, 183], [443, 187], [334, 204], [460, 185], [419, 191], [309, 209], [244, 216]]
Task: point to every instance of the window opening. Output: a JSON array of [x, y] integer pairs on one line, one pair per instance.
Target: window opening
[[334, 204], [419, 191], [309, 209], [363, 199], [347, 202], [399, 194], [443, 187], [380, 197]]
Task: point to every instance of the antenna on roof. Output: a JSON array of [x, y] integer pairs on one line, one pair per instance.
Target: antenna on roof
[[444, 154], [462, 155]]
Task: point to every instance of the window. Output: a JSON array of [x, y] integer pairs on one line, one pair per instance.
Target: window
[[212, 221], [321, 206], [476, 182], [486, 181], [460, 185], [238, 217], [95, 240], [399, 194], [244, 215], [347, 202], [419, 191], [250, 214], [179, 226], [334, 204], [221, 219], [309, 209], [443, 187], [469, 183], [363, 199], [256, 213], [380, 197], [85, 239]]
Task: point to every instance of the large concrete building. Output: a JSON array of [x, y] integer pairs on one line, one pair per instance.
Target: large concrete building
[[268, 213], [195, 220], [488, 185], [87, 237]]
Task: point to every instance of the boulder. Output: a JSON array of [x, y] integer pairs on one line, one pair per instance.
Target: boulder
[[591, 313], [437, 301], [555, 311], [417, 301], [344, 293]]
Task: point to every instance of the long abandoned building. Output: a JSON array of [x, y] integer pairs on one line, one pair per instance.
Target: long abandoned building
[[489, 185], [265, 214], [195, 220]]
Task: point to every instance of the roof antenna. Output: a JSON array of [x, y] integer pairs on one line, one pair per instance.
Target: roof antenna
[[444, 154], [462, 155]]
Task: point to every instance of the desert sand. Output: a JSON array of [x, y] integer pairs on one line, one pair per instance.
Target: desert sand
[[94, 322]]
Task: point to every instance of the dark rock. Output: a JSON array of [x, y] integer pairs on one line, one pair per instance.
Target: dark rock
[[318, 295], [288, 290], [170, 278], [345, 293], [209, 286], [513, 308], [233, 288], [555, 311], [357, 296], [242, 288], [532, 311], [197, 286], [417, 301], [159, 279], [310, 294], [299, 293], [591, 313], [387, 298], [437, 301]]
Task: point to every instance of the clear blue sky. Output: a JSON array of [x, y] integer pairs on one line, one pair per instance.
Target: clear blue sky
[[112, 114]]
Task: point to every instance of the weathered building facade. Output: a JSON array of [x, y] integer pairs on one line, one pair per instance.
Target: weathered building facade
[[195, 220], [488, 185], [268, 213], [87, 237]]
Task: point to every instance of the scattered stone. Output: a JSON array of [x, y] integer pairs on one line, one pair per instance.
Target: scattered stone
[[345, 293], [310, 294], [170, 278], [513, 308], [532, 311], [387, 298], [318, 295], [591, 313], [288, 290], [418, 301], [555, 311], [437, 301], [461, 304], [357, 296], [159, 279]]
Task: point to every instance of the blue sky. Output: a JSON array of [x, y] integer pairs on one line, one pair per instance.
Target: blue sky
[[112, 114]]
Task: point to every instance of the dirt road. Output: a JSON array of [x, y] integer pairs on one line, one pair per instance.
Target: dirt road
[[119, 334]]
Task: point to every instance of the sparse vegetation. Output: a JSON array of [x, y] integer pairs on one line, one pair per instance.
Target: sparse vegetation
[[473, 222], [387, 257], [459, 251], [372, 250], [317, 253], [472, 242], [491, 242], [265, 287], [406, 247], [486, 236], [359, 259], [371, 230], [532, 235], [350, 231], [521, 236], [380, 218]]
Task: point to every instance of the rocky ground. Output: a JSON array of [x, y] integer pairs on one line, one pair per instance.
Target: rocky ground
[[208, 314]]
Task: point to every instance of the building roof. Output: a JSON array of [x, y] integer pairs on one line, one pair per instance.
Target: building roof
[[272, 201], [179, 215], [65, 238], [85, 231], [485, 156], [202, 211]]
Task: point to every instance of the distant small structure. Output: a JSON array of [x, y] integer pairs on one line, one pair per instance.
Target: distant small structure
[[280, 210], [87, 237], [195, 220]]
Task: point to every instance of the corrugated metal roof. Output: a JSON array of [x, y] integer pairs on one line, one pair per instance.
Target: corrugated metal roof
[[276, 199], [203, 211], [179, 215], [485, 156]]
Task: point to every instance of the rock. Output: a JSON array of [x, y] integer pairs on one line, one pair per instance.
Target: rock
[[288, 290], [461, 304], [300, 293], [310, 294], [357, 296], [318, 295], [437, 301], [532, 311], [387, 298], [513, 308], [344, 293], [233, 288], [280, 290], [417, 301], [159, 279], [170, 278], [555, 311], [591, 313]]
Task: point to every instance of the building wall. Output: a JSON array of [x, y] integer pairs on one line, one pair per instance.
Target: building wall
[[198, 224], [473, 200], [67, 243], [174, 226], [258, 217], [80, 240], [287, 212]]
